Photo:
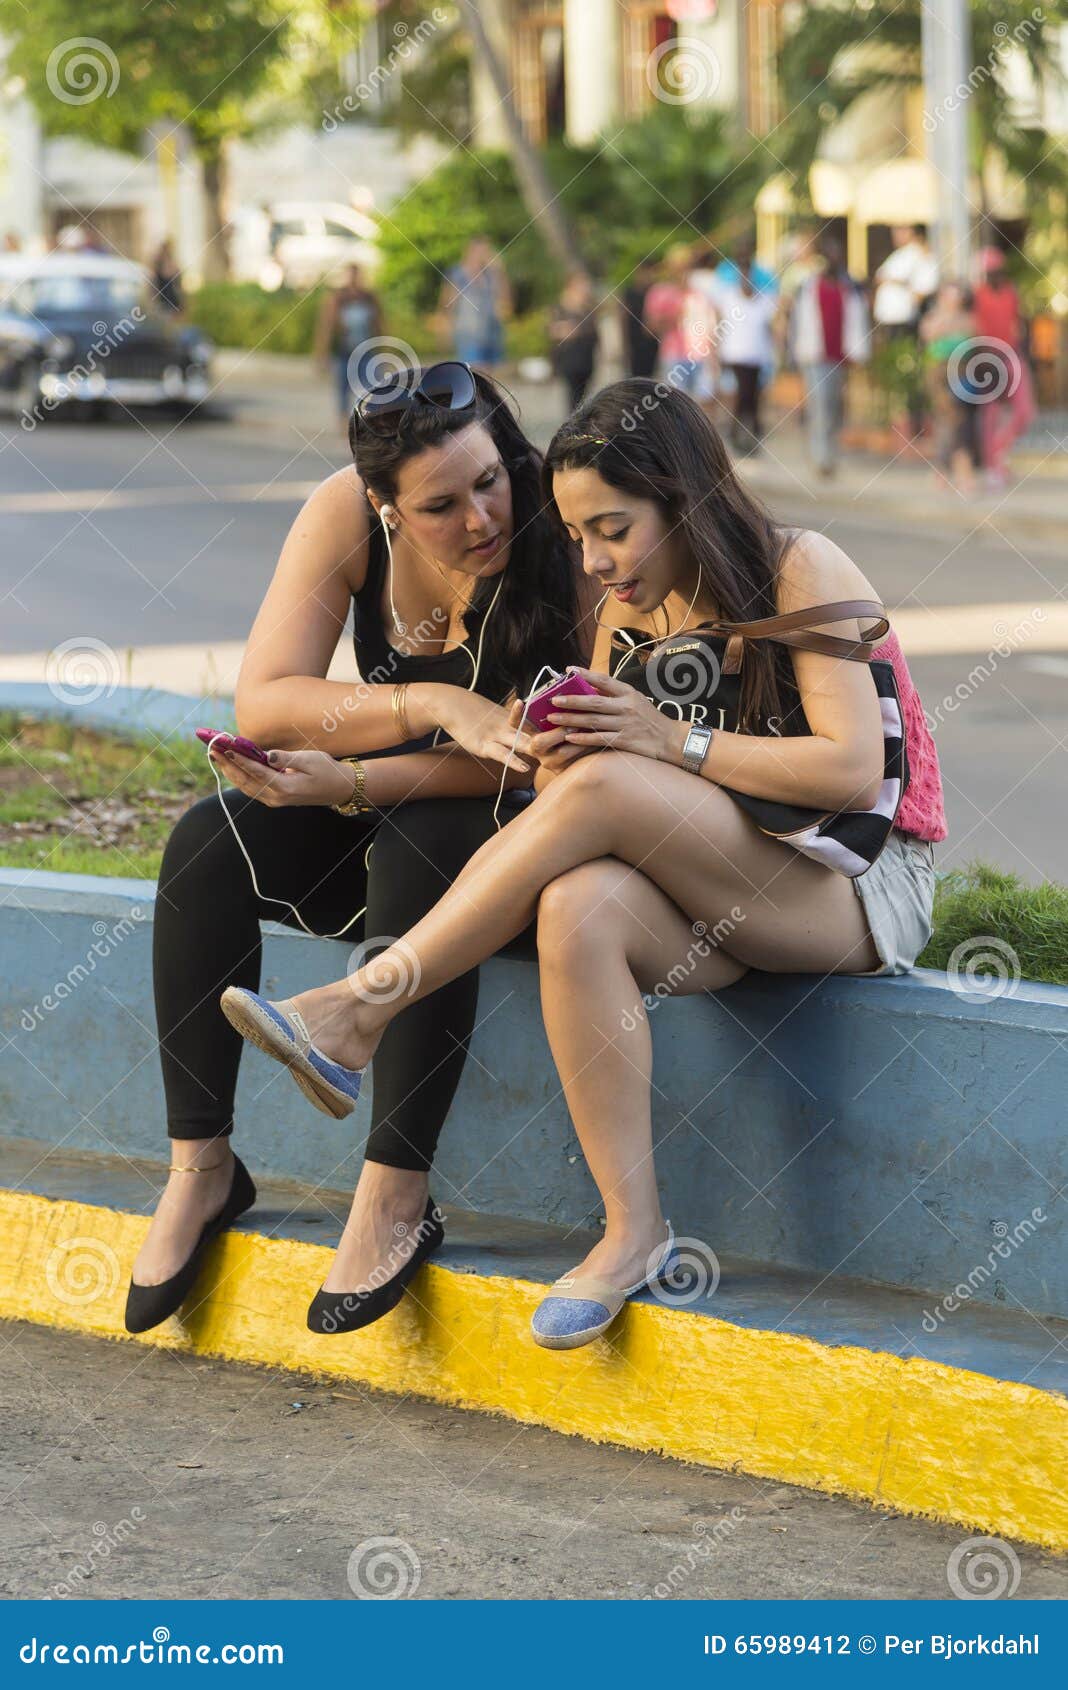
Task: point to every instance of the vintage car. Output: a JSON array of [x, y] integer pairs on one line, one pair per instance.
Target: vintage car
[[83, 329]]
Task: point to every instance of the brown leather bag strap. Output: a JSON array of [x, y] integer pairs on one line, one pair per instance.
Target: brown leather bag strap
[[795, 629]]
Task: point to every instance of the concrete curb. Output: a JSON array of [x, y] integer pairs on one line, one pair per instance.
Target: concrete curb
[[904, 1433]]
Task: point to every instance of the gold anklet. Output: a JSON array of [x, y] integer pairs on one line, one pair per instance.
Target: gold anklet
[[176, 1168]]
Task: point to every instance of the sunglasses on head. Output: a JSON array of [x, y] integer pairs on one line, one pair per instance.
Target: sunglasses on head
[[449, 386]]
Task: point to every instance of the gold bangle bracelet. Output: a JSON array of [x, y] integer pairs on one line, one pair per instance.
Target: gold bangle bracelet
[[400, 711], [357, 803]]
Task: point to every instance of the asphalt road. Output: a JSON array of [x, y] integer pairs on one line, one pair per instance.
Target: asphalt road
[[134, 1472], [150, 533]]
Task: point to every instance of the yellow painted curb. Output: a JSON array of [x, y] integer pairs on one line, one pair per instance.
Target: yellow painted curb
[[903, 1433]]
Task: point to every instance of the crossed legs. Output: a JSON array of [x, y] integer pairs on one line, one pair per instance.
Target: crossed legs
[[619, 857]]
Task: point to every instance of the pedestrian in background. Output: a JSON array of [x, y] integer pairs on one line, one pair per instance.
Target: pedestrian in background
[[167, 279], [700, 324], [665, 304], [947, 329], [476, 302], [640, 344], [830, 331], [574, 334], [350, 320], [1004, 380], [905, 282], [748, 305]]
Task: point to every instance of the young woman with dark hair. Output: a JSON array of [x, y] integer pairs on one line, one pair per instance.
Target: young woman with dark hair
[[639, 836], [461, 587]]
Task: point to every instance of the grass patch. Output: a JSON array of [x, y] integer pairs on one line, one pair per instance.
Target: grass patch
[[84, 801], [982, 902]]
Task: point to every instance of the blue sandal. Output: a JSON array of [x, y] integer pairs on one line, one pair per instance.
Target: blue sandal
[[279, 1030], [580, 1307]]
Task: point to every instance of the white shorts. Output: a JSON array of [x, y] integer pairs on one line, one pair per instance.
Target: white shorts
[[897, 893]]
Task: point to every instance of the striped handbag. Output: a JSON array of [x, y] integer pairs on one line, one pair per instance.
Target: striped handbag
[[848, 841]]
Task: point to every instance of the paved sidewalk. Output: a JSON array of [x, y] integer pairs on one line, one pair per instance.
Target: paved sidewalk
[[151, 1473], [287, 396]]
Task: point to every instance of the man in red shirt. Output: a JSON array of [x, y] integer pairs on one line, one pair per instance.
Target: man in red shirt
[[829, 330]]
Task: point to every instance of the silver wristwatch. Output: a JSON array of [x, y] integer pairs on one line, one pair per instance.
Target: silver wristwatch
[[695, 749]]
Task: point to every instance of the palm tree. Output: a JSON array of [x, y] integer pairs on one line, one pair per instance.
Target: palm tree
[[542, 204], [838, 51]]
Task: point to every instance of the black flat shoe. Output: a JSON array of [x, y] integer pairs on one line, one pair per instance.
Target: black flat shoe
[[150, 1305], [348, 1311]]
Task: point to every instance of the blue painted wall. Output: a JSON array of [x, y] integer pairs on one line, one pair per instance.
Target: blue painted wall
[[880, 1128]]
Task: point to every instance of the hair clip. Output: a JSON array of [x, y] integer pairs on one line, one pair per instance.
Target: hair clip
[[597, 439]]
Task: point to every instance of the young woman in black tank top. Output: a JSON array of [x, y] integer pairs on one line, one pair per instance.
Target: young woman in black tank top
[[480, 580], [643, 871]]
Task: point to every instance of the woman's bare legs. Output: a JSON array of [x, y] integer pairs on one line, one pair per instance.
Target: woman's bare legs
[[767, 906], [606, 934], [684, 834]]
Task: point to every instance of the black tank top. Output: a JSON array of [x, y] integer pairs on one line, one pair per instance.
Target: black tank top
[[381, 664], [681, 673]]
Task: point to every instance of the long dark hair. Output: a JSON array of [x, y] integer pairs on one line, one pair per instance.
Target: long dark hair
[[537, 615], [653, 442]]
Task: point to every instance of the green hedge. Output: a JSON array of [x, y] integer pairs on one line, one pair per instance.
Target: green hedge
[[242, 314]]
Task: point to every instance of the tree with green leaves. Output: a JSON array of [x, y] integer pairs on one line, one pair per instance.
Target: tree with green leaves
[[209, 71]]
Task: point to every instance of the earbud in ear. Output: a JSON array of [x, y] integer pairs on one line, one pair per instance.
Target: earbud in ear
[[387, 513]]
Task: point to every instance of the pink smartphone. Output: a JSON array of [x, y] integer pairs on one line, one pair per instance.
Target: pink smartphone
[[540, 704], [233, 742]]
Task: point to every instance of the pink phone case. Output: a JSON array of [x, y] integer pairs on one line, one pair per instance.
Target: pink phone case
[[233, 742], [540, 704]]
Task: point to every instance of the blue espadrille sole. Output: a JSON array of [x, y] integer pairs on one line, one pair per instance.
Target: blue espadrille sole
[[331, 1087]]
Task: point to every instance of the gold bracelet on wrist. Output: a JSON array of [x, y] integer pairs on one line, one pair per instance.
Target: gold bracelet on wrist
[[400, 711], [357, 804]]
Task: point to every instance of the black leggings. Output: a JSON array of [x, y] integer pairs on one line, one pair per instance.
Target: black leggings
[[207, 936]]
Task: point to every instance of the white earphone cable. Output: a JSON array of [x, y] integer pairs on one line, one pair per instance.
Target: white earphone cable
[[402, 630], [639, 645]]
